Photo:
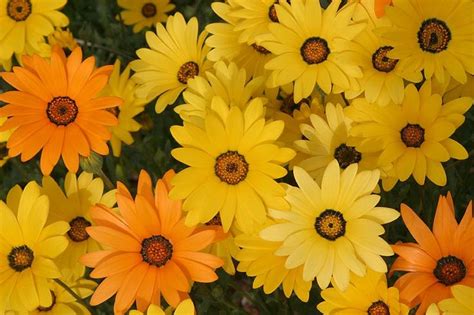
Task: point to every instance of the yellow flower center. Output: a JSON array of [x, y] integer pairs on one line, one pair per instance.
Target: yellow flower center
[[188, 71], [347, 155], [381, 62], [149, 10], [19, 10], [231, 167], [216, 220], [434, 36], [289, 104], [330, 224], [378, 308], [449, 270], [315, 50], [156, 250], [77, 231], [48, 308], [260, 49], [62, 110], [20, 258], [413, 135]]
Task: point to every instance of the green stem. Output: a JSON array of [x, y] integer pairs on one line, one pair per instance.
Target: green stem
[[105, 48], [75, 295], [108, 183]]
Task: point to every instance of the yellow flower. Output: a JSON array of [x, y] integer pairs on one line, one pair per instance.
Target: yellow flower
[[144, 13], [27, 249], [435, 37], [333, 228], [63, 38], [234, 156], [121, 86], [73, 206], [366, 295], [5, 64], [312, 48], [25, 23], [414, 136], [177, 54], [462, 301], [186, 307]]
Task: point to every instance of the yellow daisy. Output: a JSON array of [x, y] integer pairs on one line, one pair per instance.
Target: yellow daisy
[[176, 54], [186, 307], [333, 228], [4, 135], [257, 259], [434, 36], [368, 295], [25, 22], [414, 136], [121, 86], [27, 250], [5, 64], [73, 206], [312, 47], [63, 38], [144, 13], [462, 301], [234, 156], [451, 89]]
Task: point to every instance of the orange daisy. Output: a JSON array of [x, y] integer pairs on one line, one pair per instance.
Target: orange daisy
[[56, 109], [439, 260], [150, 251]]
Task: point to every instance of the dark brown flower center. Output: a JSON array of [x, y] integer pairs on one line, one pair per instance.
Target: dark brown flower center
[[381, 62], [231, 167], [77, 231], [272, 14], [216, 220], [48, 308], [413, 135], [449, 270], [330, 224], [188, 71], [156, 250], [3, 150], [19, 10], [62, 110], [315, 50], [347, 155], [434, 36], [378, 308], [20, 258], [260, 49], [289, 105], [149, 10]]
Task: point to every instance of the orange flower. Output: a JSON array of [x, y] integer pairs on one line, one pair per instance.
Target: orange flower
[[379, 7], [440, 259], [56, 109], [149, 249]]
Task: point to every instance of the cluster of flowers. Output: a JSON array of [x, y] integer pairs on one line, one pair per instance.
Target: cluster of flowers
[[344, 96]]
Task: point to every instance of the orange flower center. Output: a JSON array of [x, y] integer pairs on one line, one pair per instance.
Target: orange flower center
[[289, 104], [48, 308], [260, 49], [20, 258], [149, 10], [77, 232], [156, 250], [413, 135], [188, 71], [434, 36], [347, 155], [315, 50], [330, 224], [19, 10], [231, 167], [381, 62], [450, 270], [62, 110], [216, 220], [378, 308]]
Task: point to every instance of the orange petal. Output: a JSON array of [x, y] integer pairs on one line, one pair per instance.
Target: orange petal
[[94, 258], [107, 288], [113, 238], [414, 255], [444, 226], [203, 258], [114, 264], [23, 99], [145, 291], [196, 271], [52, 150], [128, 290], [129, 213], [196, 241]]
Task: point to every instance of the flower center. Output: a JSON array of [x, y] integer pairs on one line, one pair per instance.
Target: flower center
[[19, 10], [347, 155], [77, 232], [20, 258], [48, 308], [231, 167], [156, 250], [149, 10], [413, 135], [381, 62], [260, 49], [450, 270], [434, 36], [378, 308], [62, 110], [315, 50], [289, 104], [3, 150], [330, 224], [272, 14], [188, 71], [216, 220]]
